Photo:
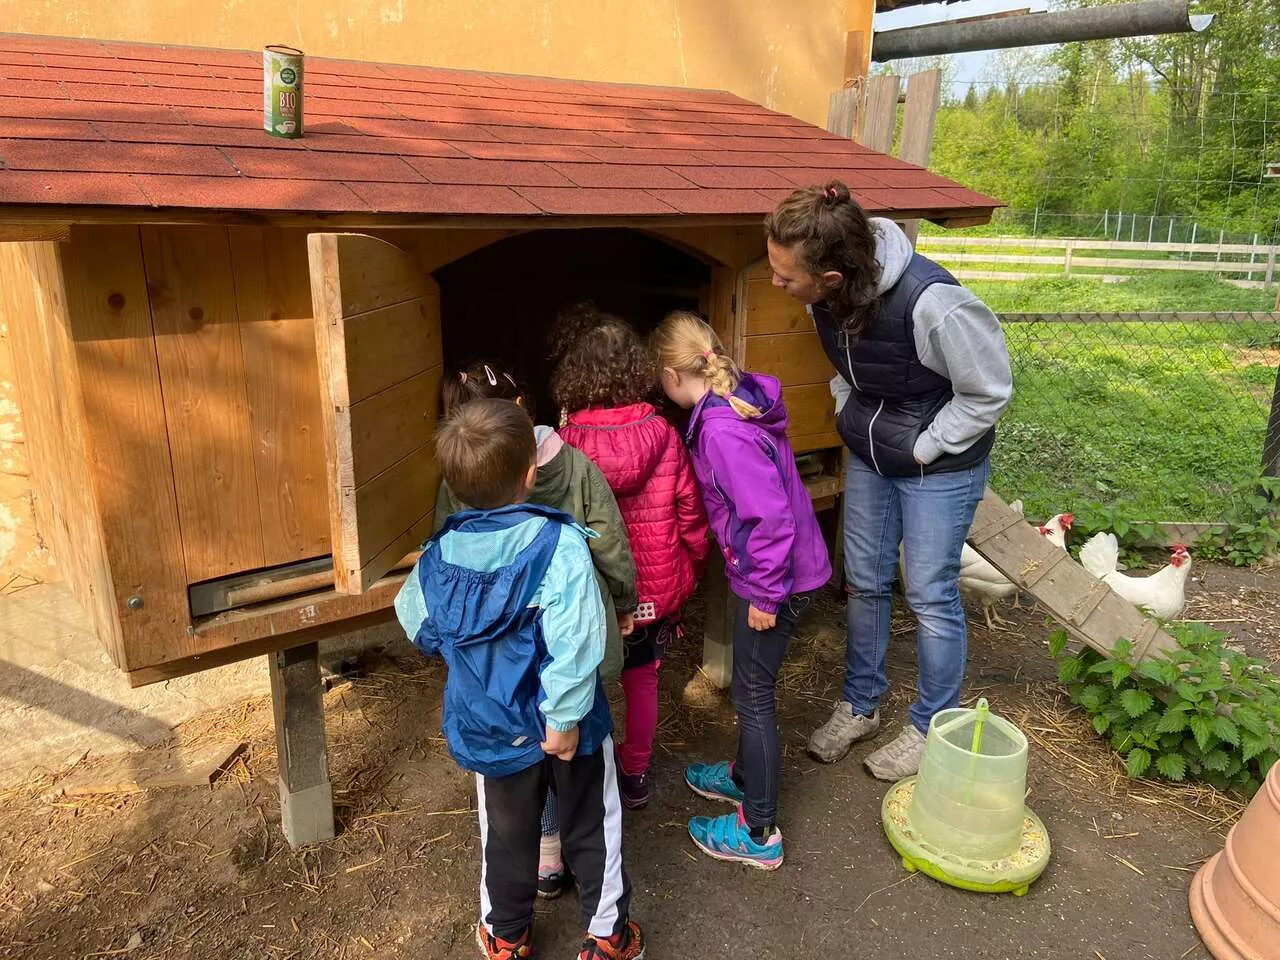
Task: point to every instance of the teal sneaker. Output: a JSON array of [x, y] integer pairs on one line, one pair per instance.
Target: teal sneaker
[[714, 781], [728, 838]]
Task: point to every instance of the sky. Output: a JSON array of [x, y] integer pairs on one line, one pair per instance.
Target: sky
[[968, 66]]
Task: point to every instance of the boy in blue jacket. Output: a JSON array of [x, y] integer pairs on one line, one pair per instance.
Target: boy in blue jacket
[[506, 594]]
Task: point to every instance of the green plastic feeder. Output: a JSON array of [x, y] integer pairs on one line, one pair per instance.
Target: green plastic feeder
[[961, 819]]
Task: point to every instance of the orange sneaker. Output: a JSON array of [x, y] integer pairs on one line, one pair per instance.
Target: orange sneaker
[[495, 948], [627, 945]]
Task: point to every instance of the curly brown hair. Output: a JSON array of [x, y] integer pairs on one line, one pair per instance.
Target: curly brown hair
[[602, 361], [832, 232]]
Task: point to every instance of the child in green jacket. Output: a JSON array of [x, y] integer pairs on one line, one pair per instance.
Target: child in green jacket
[[568, 481]]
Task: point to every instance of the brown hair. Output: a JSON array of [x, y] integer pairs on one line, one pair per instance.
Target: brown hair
[[485, 449], [602, 361], [482, 380], [686, 344], [829, 231]]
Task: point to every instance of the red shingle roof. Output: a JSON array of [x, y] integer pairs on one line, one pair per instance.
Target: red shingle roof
[[88, 123]]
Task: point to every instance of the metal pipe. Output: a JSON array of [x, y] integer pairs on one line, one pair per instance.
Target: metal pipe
[[1143, 19]]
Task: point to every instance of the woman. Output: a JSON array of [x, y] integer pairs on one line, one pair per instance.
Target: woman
[[922, 376]]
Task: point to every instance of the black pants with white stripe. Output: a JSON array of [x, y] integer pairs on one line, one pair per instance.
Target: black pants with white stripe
[[590, 837]]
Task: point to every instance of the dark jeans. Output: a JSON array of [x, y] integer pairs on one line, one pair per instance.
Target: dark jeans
[[757, 658], [586, 790]]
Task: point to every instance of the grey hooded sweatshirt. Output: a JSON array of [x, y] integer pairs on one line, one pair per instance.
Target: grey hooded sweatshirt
[[957, 337]]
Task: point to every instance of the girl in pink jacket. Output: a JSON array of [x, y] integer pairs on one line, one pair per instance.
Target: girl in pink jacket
[[601, 384]]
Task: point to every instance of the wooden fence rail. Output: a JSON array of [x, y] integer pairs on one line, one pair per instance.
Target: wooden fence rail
[[1227, 258]]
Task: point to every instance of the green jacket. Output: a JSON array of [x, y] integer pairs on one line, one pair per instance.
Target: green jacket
[[568, 481]]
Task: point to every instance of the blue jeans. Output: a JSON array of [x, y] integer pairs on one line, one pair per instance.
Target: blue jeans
[[930, 516]]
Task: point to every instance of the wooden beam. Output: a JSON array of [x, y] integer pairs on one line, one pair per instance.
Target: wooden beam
[[25, 233]]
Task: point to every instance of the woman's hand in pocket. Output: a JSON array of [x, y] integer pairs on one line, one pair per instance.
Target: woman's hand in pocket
[[759, 620]]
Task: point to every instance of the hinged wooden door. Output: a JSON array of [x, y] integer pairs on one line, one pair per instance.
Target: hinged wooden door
[[378, 345]]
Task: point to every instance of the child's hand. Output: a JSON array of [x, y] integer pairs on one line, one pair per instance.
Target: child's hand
[[759, 620], [562, 746], [626, 624]]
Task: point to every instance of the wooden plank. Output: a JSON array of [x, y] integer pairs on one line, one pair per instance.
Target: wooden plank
[[153, 770], [842, 108], [879, 117], [728, 246], [391, 344], [924, 93], [719, 303], [859, 19], [937, 240], [812, 412], [33, 308], [124, 433], [808, 443], [28, 233], [386, 424], [794, 358], [1133, 263], [771, 310], [193, 307], [240, 634], [277, 339], [1068, 591], [382, 474]]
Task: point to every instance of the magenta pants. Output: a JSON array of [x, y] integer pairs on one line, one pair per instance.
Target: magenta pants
[[640, 685]]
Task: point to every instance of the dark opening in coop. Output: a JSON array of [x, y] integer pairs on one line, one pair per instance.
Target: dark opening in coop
[[502, 301]]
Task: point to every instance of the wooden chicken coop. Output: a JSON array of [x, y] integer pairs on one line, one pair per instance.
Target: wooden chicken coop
[[228, 346]]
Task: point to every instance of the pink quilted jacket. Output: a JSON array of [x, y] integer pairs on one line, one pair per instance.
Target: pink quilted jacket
[[646, 464]]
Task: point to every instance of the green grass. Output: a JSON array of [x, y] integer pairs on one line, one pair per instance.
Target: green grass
[[1163, 419]]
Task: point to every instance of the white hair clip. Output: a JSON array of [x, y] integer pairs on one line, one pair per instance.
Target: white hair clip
[[493, 381]]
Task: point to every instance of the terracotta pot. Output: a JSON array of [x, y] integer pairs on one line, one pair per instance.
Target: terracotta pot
[[1235, 898]]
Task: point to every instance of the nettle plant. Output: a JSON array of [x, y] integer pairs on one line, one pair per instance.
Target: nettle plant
[[1204, 712]]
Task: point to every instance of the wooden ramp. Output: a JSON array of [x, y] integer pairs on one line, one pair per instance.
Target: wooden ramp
[[1091, 612]]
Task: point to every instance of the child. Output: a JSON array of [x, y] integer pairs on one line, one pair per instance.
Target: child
[[504, 594], [775, 558], [603, 377], [567, 481]]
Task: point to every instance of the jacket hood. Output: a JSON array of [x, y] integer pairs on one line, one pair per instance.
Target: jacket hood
[[640, 430], [893, 252], [759, 390], [551, 485]]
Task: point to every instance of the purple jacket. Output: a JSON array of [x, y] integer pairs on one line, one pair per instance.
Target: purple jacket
[[759, 510]]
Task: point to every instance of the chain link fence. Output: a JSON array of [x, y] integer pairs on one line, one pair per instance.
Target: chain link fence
[[1162, 413]]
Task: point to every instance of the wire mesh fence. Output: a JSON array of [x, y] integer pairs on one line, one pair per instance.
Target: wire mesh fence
[[1164, 413]]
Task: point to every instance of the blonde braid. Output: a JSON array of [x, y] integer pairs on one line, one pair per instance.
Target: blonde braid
[[688, 345]]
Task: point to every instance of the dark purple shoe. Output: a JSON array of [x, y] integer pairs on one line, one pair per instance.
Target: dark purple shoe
[[634, 789]]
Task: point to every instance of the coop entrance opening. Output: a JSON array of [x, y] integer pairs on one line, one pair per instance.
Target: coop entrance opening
[[501, 302]]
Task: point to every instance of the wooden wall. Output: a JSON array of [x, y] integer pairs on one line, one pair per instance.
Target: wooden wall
[[779, 339]]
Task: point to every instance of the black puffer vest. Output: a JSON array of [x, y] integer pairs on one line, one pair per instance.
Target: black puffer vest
[[895, 396]]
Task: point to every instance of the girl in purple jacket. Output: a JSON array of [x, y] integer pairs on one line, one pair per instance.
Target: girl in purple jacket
[[774, 557]]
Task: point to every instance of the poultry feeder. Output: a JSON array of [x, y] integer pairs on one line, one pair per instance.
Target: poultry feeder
[[962, 819]]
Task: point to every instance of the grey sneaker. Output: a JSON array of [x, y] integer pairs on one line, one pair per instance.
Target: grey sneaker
[[898, 759], [832, 740]]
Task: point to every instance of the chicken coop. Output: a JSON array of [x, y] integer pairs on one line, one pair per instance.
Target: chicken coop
[[228, 346]]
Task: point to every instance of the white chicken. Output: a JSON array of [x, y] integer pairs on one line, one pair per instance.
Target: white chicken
[[982, 582], [1162, 595]]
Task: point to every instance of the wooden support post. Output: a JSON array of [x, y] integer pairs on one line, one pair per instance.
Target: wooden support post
[[1271, 268], [717, 642], [306, 796], [1066, 260]]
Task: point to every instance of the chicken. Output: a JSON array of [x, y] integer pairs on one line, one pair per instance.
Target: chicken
[[1161, 595], [981, 581]]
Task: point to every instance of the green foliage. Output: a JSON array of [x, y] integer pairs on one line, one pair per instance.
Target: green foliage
[[1250, 528], [1205, 711], [1164, 125]]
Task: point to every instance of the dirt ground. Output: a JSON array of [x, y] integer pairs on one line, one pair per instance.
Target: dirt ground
[[205, 873]]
